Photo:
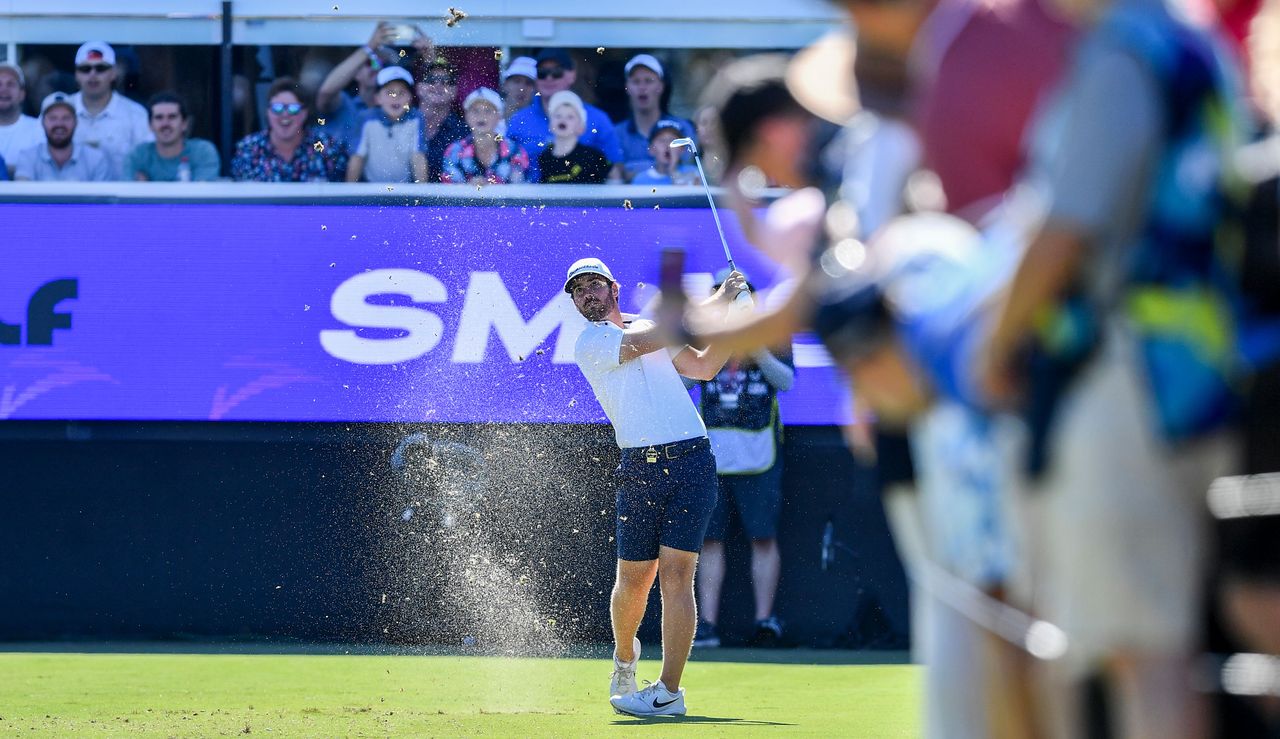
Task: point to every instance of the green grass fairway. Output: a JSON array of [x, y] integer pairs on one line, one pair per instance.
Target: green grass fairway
[[59, 694]]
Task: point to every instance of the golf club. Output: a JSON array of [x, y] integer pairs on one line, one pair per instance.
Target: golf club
[[680, 143]]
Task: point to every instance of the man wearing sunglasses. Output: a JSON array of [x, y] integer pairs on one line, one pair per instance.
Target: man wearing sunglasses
[[531, 127], [290, 149], [106, 120]]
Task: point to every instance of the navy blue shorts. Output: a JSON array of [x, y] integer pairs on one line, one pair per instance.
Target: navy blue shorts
[[758, 499], [667, 502]]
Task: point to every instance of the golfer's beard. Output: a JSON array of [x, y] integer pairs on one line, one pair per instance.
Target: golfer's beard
[[595, 311], [59, 142]]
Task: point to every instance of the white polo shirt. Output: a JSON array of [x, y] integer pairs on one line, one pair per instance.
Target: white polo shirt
[[114, 131], [644, 398], [23, 133]]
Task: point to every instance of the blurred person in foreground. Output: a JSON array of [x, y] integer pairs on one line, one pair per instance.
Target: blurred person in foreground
[[289, 150], [389, 145], [646, 83], [740, 409], [59, 157], [1117, 337], [437, 88], [906, 371], [533, 128], [484, 157], [106, 120], [342, 115], [666, 481], [172, 157], [17, 131]]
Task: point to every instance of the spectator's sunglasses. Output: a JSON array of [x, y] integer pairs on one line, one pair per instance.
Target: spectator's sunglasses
[[554, 73], [99, 68], [282, 108]]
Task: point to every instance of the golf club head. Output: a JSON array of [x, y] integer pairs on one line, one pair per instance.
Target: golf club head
[[682, 142]]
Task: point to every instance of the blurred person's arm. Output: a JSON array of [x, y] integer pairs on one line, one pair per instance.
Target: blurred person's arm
[[355, 168], [328, 96], [1097, 174], [418, 163], [133, 165], [240, 166], [205, 162], [777, 372]]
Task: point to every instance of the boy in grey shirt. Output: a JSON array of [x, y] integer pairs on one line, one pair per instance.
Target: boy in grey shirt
[[390, 142]]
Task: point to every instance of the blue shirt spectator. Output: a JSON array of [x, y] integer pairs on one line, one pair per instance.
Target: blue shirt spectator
[[646, 82], [4, 170], [531, 127]]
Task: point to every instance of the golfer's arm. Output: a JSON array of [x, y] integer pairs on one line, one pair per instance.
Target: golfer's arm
[[701, 364], [771, 328], [636, 342]]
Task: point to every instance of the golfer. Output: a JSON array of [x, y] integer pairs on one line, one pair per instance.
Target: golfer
[[666, 487]]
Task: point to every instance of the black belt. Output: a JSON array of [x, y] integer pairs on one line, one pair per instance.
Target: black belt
[[659, 452]]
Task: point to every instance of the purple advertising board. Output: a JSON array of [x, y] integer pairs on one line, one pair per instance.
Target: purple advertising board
[[253, 312]]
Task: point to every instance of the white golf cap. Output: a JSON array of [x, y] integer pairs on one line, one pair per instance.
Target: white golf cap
[[387, 75], [570, 98], [95, 51], [646, 60], [521, 66], [483, 95], [587, 266], [56, 98]]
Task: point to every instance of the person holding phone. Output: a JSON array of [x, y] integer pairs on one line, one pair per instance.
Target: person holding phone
[[341, 114]]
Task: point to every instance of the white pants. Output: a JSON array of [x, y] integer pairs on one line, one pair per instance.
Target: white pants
[[1123, 529]]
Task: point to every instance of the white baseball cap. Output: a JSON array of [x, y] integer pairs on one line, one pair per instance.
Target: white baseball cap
[[521, 66], [646, 60], [56, 98], [95, 51], [483, 95], [392, 73], [570, 98], [16, 71], [587, 266]]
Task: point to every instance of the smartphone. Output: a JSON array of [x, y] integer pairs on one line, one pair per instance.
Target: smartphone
[[405, 33]]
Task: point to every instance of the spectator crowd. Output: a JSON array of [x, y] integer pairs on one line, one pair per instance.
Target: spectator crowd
[[390, 112]]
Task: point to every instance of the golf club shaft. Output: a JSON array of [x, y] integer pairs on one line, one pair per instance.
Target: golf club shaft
[[711, 201]]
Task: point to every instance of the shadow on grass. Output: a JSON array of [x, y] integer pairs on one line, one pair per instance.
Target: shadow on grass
[[803, 656], [670, 720]]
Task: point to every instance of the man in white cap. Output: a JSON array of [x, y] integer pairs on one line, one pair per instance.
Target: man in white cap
[[666, 484], [60, 157], [17, 131], [519, 82], [646, 83], [106, 121]]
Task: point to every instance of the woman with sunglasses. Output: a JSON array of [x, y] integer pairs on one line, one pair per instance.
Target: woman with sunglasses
[[290, 149]]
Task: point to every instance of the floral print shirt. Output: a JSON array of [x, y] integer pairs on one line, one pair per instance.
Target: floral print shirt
[[318, 158], [461, 165]]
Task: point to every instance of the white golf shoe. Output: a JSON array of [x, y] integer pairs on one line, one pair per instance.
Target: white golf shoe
[[654, 700], [623, 680]]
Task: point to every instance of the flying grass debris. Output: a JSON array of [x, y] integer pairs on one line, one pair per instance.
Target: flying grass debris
[[455, 16]]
